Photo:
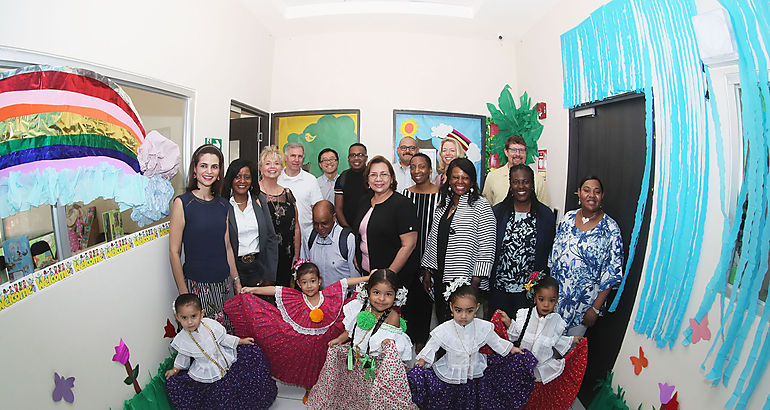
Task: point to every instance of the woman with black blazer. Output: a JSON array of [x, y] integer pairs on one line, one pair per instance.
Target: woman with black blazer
[[386, 224], [525, 232], [252, 234]]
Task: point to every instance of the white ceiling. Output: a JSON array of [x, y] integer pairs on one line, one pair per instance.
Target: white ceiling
[[467, 18]]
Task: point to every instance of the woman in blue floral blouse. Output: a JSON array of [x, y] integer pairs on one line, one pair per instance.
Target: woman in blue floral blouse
[[586, 259]]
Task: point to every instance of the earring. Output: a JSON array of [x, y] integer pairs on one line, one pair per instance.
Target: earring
[[579, 202], [195, 175], [217, 178]]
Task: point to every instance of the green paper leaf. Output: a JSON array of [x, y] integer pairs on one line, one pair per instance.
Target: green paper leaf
[[129, 380], [136, 371]]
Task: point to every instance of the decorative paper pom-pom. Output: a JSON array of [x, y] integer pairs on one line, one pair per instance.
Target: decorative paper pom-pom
[[316, 315], [402, 323], [365, 320]]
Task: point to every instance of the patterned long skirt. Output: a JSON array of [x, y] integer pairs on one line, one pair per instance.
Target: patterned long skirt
[[213, 297], [341, 389]]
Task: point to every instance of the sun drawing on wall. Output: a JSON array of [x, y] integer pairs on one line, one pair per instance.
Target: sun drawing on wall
[[408, 128]]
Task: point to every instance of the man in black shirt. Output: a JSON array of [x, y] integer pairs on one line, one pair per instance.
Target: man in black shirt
[[350, 186]]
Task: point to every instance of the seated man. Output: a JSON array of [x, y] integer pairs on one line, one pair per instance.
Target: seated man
[[331, 247]]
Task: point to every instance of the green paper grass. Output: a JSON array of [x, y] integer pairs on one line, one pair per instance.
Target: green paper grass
[[606, 398]]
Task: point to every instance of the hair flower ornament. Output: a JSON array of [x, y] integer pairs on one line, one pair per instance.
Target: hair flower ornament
[[400, 297], [454, 285], [534, 278], [361, 294], [296, 266]]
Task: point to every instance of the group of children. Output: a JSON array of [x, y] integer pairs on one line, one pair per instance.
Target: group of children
[[351, 354]]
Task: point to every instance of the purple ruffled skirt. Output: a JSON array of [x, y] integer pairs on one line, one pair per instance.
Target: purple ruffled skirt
[[247, 385], [507, 383]]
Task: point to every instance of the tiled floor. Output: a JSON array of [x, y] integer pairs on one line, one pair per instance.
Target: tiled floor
[[289, 397]]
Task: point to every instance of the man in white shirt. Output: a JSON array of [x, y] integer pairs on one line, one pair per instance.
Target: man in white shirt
[[328, 160], [406, 150], [323, 246], [498, 183], [303, 185]]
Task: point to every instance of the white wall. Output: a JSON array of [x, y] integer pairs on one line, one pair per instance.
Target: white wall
[[380, 72], [212, 48], [539, 69], [72, 327], [539, 73]]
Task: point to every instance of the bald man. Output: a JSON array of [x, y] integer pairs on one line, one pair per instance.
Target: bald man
[[335, 260], [406, 149]]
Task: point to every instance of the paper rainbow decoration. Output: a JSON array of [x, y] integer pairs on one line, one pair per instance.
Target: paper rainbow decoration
[[69, 135]]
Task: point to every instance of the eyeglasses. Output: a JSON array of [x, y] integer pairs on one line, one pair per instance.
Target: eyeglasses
[[326, 161], [381, 175], [517, 150], [407, 148], [356, 155]]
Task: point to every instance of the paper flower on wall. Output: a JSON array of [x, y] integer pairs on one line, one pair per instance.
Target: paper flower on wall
[[170, 330], [666, 392], [408, 128], [63, 388], [122, 356], [69, 135]]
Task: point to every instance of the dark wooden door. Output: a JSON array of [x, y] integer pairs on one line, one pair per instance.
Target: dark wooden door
[[251, 133], [611, 144]]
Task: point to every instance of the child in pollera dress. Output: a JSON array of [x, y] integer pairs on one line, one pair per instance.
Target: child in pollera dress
[[541, 330], [295, 333], [223, 371], [464, 378], [364, 366]]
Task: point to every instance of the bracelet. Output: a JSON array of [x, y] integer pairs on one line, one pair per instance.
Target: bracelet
[[235, 278], [595, 310]]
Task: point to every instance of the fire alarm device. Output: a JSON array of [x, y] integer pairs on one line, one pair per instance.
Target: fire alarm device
[[540, 108]]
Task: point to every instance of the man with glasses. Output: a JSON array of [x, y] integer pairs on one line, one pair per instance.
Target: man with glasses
[[328, 159], [406, 150], [350, 186], [497, 183]]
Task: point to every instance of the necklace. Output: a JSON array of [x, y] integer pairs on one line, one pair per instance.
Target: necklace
[[469, 353], [584, 219], [221, 369], [316, 314]]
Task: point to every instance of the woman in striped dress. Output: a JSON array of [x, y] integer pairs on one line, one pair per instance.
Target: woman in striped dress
[[424, 194], [461, 243]]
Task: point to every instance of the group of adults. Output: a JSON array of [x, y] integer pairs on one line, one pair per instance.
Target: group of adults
[[248, 226]]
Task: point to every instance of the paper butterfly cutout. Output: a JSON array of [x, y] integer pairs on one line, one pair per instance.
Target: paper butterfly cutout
[[170, 330], [63, 388], [666, 392], [672, 404], [639, 362], [700, 331]]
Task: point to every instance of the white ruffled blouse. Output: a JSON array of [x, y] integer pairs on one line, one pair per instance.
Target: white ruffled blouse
[[190, 355], [462, 360], [386, 331], [543, 335]]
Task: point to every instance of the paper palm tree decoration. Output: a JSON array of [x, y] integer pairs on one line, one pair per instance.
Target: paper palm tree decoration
[[514, 121]]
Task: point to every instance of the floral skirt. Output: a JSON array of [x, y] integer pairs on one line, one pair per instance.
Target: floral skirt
[[213, 297], [341, 389], [506, 384], [247, 385]]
